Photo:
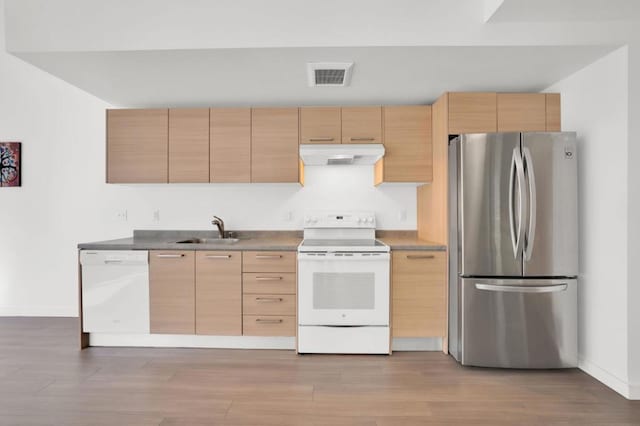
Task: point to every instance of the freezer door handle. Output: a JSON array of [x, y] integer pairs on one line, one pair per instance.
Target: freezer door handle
[[531, 178], [522, 288], [517, 172]]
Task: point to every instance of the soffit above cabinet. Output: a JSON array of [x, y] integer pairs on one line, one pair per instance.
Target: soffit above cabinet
[[277, 76]]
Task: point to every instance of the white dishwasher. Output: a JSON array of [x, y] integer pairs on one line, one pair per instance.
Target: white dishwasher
[[115, 291]]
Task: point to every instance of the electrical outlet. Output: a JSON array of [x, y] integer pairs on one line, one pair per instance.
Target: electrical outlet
[[402, 215], [122, 215], [156, 215], [288, 216]]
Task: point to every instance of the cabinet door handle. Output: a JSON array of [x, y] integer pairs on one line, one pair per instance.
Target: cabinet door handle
[[269, 299], [321, 139], [363, 139], [268, 321], [268, 256], [420, 256], [109, 262], [218, 256], [169, 256], [268, 278]]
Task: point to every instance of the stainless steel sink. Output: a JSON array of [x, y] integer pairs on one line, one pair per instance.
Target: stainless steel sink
[[222, 241]]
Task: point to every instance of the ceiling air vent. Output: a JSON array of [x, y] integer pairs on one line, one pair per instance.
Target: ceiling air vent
[[329, 73]]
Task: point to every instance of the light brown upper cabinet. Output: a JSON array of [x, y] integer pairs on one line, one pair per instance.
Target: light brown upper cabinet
[[219, 293], [522, 112], [230, 145], [172, 292], [407, 143], [274, 145], [320, 125], [553, 112], [189, 145], [472, 112], [137, 145], [362, 124], [419, 307]]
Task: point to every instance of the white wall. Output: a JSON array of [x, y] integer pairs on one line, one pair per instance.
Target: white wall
[[64, 199], [595, 104], [634, 222]]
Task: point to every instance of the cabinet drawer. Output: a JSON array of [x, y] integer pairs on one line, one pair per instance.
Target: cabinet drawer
[[272, 283], [269, 261], [269, 325], [269, 304]]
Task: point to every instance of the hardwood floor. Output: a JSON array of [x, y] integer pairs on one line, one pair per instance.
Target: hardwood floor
[[45, 380]]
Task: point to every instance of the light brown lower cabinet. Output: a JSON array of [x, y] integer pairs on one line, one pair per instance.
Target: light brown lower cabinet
[[269, 293], [172, 292], [419, 288], [219, 293]]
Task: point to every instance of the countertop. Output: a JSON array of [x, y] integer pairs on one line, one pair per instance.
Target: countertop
[[166, 240], [248, 240], [408, 240]]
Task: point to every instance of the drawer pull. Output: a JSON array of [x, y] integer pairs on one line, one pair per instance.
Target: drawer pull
[[268, 278], [268, 321], [170, 256], [269, 299], [268, 256], [420, 256], [218, 256], [320, 139], [363, 139]]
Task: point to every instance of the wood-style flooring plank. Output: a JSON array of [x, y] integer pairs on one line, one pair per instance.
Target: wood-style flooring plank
[[45, 380]]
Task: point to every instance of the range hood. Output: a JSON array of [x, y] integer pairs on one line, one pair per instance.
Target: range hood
[[333, 154]]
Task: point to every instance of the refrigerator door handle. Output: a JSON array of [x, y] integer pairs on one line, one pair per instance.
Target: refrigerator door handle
[[531, 178], [517, 170], [522, 288]]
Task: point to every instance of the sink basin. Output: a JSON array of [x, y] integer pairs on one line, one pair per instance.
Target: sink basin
[[223, 241]]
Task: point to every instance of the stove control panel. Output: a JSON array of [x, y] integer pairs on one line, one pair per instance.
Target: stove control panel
[[359, 219]]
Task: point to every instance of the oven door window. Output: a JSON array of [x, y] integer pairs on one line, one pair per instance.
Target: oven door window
[[344, 290]]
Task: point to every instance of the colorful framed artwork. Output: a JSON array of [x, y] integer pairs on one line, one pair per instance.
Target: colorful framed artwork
[[10, 164]]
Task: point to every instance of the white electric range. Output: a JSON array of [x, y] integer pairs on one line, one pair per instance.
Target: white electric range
[[343, 285]]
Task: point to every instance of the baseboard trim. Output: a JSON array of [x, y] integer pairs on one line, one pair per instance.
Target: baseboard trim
[[236, 342], [191, 341], [610, 380], [38, 311], [634, 392], [416, 344]]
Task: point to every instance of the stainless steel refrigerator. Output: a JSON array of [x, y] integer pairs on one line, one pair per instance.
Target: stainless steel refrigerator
[[513, 261]]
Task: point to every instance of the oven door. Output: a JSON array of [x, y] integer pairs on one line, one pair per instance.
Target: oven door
[[347, 289]]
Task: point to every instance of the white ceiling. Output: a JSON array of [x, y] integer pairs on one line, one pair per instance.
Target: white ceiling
[[137, 53], [277, 76]]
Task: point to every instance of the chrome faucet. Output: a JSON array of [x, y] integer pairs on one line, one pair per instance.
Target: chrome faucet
[[220, 224]]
